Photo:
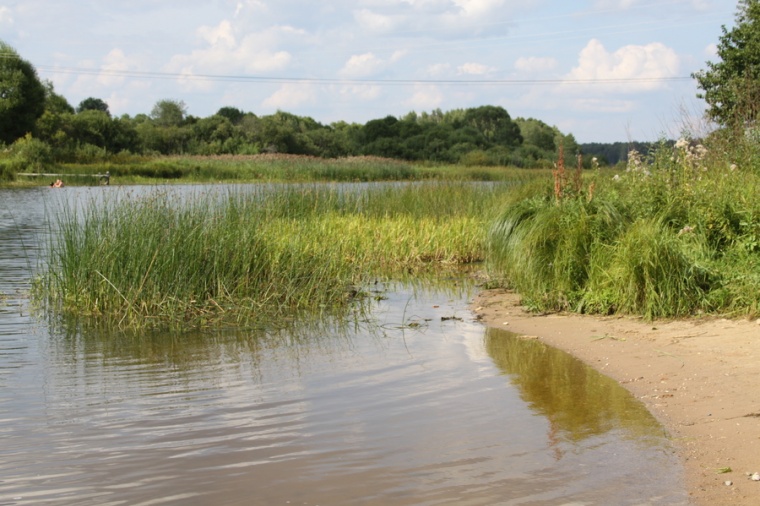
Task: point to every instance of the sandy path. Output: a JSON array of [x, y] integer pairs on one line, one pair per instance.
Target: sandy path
[[700, 378]]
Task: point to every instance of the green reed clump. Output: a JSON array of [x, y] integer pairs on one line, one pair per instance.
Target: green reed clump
[[151, 259], [675, 234], [542, 247], [248, 257], [650, 271]]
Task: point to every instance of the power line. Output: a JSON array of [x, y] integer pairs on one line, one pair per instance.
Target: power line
[[347, 81]]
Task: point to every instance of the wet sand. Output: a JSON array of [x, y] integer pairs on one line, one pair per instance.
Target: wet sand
[[699, 377]]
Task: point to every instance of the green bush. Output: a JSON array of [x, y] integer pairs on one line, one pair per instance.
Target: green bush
[[675, 233], [31, 154]]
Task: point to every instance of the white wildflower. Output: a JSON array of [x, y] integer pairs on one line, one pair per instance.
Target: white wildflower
[[686, 230]]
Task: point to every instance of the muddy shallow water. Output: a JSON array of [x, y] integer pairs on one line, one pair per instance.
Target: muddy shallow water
[[419, 404]]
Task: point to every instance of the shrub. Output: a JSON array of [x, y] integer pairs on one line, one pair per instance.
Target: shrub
[[31, 154]]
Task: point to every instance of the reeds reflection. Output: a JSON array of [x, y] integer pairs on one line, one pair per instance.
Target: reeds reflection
[[579, 402]]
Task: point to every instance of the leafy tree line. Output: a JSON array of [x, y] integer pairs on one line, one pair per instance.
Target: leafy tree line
[[41, 127], [614, 153]]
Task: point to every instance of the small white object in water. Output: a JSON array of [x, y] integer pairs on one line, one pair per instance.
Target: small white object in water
[[728, 483], [756, 477]]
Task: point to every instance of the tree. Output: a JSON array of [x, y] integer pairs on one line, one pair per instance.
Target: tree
[[494, 124], [169, 112], [51, 126], [233, 114], [730, 86], [93, 104], [22, 95], [55, 103]]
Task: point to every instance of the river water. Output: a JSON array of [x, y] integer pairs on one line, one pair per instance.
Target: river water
[[418, 405]]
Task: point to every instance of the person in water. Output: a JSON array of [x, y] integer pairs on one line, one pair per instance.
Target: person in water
[[58, 184]]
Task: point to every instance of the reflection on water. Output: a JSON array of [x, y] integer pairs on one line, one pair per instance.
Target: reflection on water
[[421, 405], [578, 402]]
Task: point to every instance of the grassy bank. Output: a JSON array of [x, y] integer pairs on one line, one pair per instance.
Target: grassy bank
[[249, 257], [263, 168], [677, 234]]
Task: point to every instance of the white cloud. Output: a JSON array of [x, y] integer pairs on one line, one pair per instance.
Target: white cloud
[[698, 5], [289, 96], [475, 69], [649, 64], [254, 5], [439, 19], [114, 64], [374, 22], [438, 69], [254, 53], [617, 4], [478, 8], [397, 55], [603, 105], [5, 15], [425, 98], [364, 92], [117, 103], [711, 51], [367, 64], [362, 65], [221, 35], [535, 64]]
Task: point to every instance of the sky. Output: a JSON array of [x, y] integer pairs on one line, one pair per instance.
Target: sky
[[602, 70]]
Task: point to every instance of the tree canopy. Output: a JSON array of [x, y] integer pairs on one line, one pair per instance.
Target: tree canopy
[[168, 112], [22, 95], [731, 86], [93, 104]]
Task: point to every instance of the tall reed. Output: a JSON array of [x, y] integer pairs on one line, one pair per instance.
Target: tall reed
[[676, 234], [249, 256]]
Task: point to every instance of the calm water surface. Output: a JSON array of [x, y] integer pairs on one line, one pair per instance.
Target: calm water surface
[[420, 405]]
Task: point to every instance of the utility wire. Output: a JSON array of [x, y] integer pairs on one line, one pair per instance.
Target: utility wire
[[347, 81]]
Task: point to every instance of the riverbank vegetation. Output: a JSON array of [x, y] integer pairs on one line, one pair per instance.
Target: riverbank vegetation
[[678, 233], [260, 255], [269, 168], [675, 234]]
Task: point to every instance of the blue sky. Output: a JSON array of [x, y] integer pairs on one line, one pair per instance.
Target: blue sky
[[603, 70]]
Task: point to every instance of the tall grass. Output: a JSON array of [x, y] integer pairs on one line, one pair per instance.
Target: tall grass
[[674, 235], [256, 256], [286, 168]]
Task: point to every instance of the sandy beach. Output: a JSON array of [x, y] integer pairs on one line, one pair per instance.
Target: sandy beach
[[699, 377]]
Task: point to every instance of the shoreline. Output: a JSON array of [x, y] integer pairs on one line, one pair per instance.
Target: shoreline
[[699, 377]]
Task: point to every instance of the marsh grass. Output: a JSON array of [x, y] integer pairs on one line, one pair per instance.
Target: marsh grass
[[248, 257], [675, 235], [287, 168]]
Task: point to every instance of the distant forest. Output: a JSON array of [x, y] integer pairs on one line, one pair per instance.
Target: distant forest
[[615, 152], [485, 135], [39, 127]]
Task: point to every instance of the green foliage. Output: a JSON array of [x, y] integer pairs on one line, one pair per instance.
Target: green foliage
[[251, 257], [730, 86], [233, 114], [651, 271], [473, 137], [31, 154], [55, 103], [22, 95], [93, 104], [169, 113], [675, 234]]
